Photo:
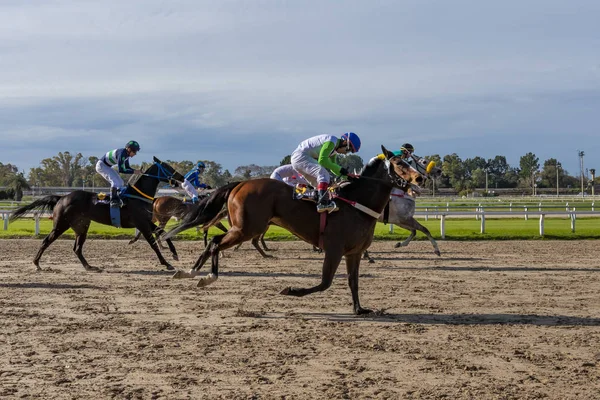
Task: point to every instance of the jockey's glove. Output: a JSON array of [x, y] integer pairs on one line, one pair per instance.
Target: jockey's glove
[[195, 199]]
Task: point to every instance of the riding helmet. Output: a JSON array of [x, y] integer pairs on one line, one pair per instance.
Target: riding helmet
[[133, 145], [200, 165], [353, 141], [408, 147]]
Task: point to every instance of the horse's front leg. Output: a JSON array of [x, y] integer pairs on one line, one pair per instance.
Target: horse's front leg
[[161, 231], [333, 256], [352, 266], [148, 232]]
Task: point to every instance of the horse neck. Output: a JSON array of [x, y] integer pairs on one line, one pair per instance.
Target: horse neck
[[147, 185], [373, 193]]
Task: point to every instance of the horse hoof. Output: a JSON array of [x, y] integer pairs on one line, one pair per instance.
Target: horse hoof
[[286, 291], [169, 267], [93, 269], [131, 242], [207, 280], [371, 261], [362, 311], [175, 257], [397, 245], [437, 253]]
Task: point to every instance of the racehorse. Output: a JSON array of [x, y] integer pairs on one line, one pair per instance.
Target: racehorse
[[402, 207], [77, 209], [347, 232], [166, 207]]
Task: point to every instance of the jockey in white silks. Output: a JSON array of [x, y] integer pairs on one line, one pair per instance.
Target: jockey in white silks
[[315, 157], [287, 174], [119, 157]]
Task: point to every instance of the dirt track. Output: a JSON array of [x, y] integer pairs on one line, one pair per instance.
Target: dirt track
[[497, 320]]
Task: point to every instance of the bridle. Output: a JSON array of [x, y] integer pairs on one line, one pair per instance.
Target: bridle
[[163, 174]]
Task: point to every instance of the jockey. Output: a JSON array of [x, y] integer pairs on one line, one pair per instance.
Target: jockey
[[192, 182], [406, 151], [315, 156], [287, 174], [121, 158]]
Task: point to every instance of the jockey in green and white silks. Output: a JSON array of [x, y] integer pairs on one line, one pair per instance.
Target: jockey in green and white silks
[[315, 157], [287, 174], [119, 157]]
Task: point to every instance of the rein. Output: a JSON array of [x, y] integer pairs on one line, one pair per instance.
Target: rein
[[163, 173]]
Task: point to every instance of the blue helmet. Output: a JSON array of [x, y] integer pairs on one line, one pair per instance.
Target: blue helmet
[[200, 165], [353, 141]]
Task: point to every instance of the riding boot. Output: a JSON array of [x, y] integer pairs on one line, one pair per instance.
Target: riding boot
[[115, 201], [325, 204]]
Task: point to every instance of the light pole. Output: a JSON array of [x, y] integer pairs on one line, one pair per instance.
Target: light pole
[[593, 172], [581, 154], [557, 167], [486, 181]]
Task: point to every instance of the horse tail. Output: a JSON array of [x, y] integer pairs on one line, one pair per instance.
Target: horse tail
[[44, 204], [206, 210]]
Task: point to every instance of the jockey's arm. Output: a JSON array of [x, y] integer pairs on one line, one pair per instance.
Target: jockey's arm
[[326, 158], [124, 167]]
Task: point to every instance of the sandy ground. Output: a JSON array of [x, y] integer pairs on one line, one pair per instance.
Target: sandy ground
[[487, 320]]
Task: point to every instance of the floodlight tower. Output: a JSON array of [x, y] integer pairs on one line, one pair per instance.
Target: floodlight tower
[[593, 172]]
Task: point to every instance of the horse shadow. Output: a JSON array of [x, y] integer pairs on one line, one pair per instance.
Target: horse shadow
[[38, 285], [451, 319], [490, 269]]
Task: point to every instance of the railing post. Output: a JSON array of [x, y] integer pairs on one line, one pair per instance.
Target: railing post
[[391, 228], [510, 207], [526, 215], [426, 213], [447, 206], [5, 218], [541, 224], [592, 206], [37, 224], [482, 223], [443, 226], [540, 207], [573, 217]]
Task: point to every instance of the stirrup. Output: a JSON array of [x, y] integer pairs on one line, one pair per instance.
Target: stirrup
[[328, 207], [116, 203]]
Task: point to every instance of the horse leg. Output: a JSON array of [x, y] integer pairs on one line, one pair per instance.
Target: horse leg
[[148, 230], [135, 238], [160, 231], [330, 265], [59, 228], [352, 264], [81, 230], [262, 241], [423, 229], [413, 225], [217, 244], [413, 232], [257, 247], [368, 257]]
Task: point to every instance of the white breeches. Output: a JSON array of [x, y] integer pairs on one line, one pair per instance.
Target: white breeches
[[109, 174], [308, 166], [189, 188]]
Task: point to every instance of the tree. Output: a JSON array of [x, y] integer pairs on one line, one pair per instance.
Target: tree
[[17, 183], [497, 168], [530, 165], [286, 160], [6, 172], [351, 162], [550, 173], [453, 168]]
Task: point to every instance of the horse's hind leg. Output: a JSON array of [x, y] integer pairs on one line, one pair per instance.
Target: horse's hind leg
[[368, 257], [413, 225], [257, 247], [81, 230], [60, 226], [217, 244], [148, 230], [330, 265]]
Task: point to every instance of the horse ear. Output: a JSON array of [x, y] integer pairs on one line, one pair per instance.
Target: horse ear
[[388, 154], [156, 159]]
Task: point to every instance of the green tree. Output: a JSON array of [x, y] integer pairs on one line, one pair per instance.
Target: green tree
[[17, 183], [453, 168], [529, 167], [550, 173], [286, 160], [351, 162]]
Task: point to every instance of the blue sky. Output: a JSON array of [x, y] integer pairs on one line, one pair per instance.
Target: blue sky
[[242, 82]]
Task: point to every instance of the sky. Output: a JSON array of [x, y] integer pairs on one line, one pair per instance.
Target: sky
[[242, 82]]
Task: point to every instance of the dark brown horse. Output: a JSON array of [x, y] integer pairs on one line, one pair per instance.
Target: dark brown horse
[[348, 232], [77, 209], [166, 207]]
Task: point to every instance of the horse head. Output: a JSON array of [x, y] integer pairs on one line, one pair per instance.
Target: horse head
[[400, 172], [163, 172], [426, 167]]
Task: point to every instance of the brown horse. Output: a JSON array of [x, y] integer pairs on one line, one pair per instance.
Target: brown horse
[[348, 232], [166, 207]]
